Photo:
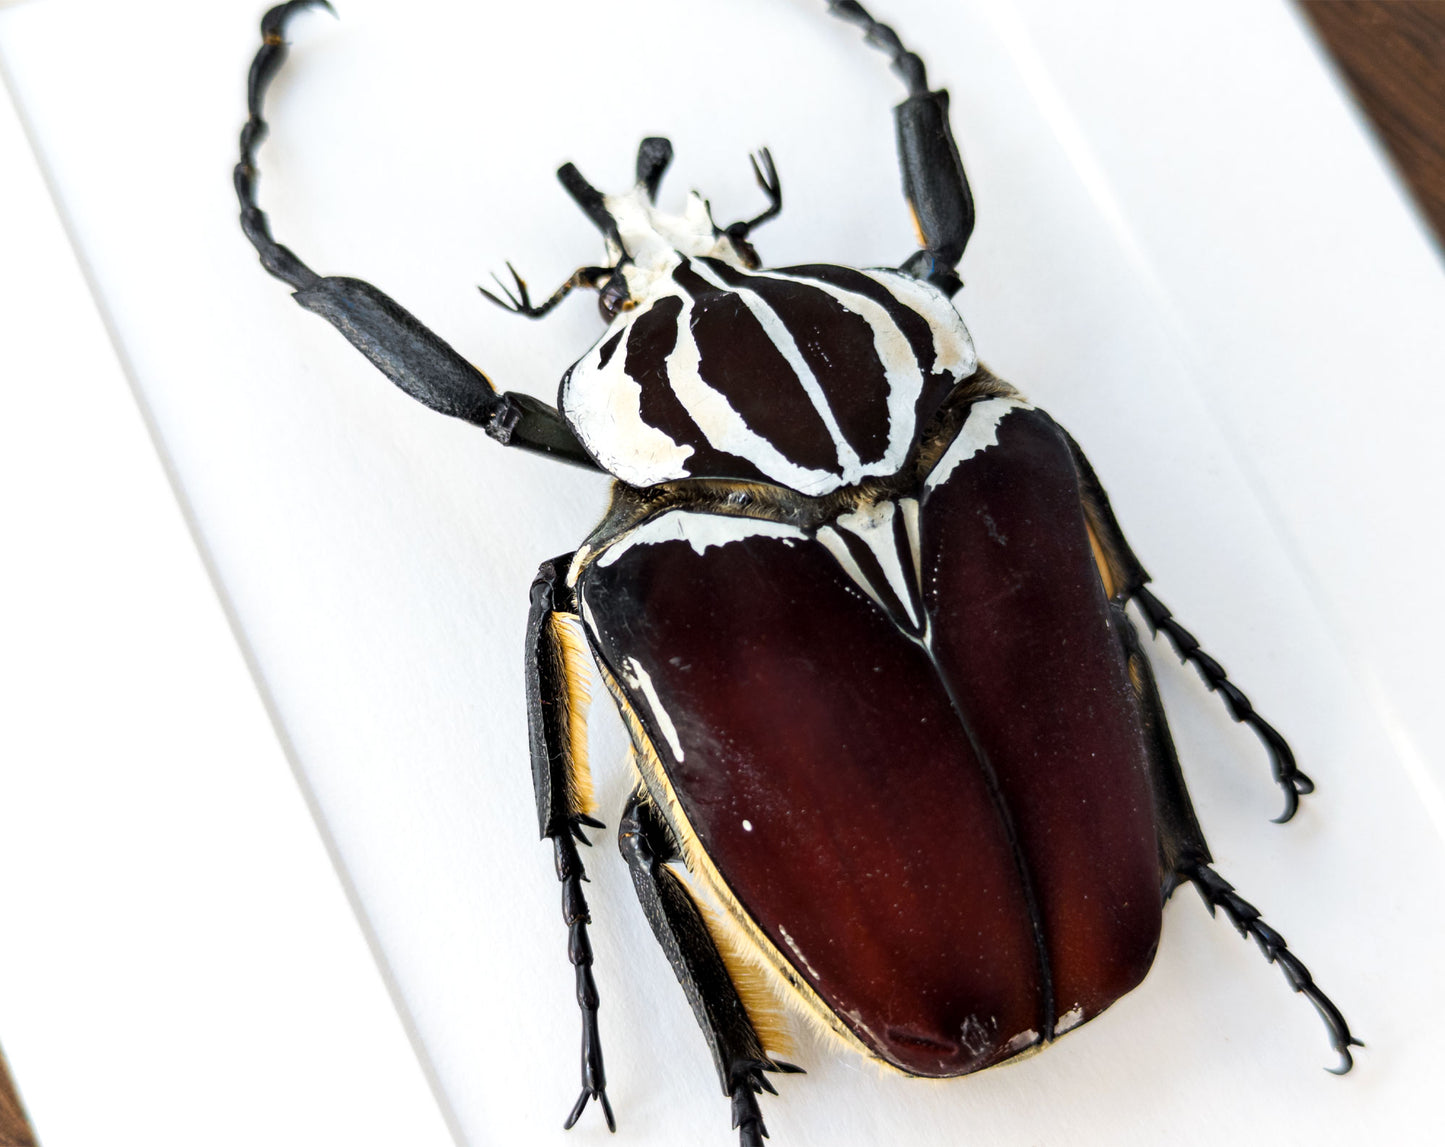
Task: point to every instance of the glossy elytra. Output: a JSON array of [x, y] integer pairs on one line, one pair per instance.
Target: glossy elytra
[[900, 761]]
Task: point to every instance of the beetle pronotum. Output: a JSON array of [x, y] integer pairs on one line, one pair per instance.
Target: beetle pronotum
[[809, 463]]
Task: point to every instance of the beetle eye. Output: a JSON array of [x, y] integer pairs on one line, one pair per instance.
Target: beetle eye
[[614, 298]]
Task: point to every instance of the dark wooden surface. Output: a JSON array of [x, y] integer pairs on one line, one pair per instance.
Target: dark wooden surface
[[1392, 54], [14, 1129]]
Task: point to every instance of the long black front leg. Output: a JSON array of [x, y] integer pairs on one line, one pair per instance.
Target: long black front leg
[[934, 182], [404, 350], [556, 721], [737, 1050]]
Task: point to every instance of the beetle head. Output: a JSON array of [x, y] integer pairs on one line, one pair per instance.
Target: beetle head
[[644, 244]]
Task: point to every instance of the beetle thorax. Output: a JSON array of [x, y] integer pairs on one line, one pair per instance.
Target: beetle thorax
[[654, 242], [812, 378]]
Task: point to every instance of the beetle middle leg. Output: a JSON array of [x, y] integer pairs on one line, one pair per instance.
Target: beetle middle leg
[[1286, 773], [1185, 857], [649, 846], [556, 720], [1126, 580]]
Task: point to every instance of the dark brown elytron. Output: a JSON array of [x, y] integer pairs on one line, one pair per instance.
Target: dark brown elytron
[[900, 760]]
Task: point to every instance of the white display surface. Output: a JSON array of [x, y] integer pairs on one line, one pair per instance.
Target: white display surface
[[1187, 251], [178, 961]]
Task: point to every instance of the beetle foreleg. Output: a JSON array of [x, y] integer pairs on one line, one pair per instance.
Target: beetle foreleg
[[767, 176], [1294, 783], [1219, 893], [934, 182], [404, 350], [556, 719], [737, 1050]]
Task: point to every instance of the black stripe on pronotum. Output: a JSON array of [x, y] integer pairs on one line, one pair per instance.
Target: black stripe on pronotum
[[856, 601]]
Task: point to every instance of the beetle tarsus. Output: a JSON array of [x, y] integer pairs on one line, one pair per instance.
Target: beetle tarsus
[[521, 302], [766, 173], [581, 1105], [934, 182], [907, 64], [1219, 893], [1281, 757], [748, 1079], [577, 821], [579, 952]]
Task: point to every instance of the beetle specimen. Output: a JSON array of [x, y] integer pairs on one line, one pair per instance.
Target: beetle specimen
[[959, 849]]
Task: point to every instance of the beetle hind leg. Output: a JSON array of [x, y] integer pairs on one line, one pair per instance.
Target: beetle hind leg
[[650, 848], [1218, 893], [556, 719], [1286, 773], [1184, 856]]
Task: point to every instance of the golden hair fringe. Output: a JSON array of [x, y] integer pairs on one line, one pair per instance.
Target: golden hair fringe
[[746, 971], [571, 649], [1107, 572], [763, 976]]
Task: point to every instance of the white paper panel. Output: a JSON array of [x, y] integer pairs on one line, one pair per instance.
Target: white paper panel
[[178, 962]]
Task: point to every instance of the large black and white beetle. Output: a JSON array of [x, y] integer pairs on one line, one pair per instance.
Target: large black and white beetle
[[953, 846]]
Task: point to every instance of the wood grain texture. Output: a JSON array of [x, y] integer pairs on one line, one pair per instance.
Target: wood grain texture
[[1392, 53], [14, 1127]]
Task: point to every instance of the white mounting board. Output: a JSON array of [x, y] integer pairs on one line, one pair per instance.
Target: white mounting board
[[178, 961], [1188, 250]]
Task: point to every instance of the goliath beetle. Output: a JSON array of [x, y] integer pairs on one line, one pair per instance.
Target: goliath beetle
[[810, 463]]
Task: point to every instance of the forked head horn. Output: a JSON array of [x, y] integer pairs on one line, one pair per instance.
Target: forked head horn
[[653, 156], [590, 200]]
